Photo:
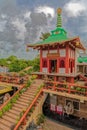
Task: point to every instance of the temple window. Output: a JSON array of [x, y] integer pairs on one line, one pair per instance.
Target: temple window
[[62, 64], [44, 63], [76, 105]]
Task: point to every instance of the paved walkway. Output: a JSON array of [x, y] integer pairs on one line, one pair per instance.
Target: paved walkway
[[50, 125]]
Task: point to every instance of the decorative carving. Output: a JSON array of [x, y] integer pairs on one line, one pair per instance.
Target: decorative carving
[[53, 55]]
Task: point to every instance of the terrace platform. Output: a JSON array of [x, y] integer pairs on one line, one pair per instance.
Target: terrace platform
[[57, 74]]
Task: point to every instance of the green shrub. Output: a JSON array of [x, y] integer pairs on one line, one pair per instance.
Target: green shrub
[[33, 77], [13, 100], [9, 105], [40, 119], [83, 89], [1, 113], [23, 90], [5, 108], [78, 88], [32, 109], [28, 84]]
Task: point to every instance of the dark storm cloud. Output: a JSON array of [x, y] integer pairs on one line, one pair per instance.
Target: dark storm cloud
[[38, 19], [34, 28], [9, 7], [10, 42]]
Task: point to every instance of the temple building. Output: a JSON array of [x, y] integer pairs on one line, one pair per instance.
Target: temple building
[[65, 84], [58, 53]]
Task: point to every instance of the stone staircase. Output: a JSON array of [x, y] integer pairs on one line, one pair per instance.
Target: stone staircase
[[9, 119]]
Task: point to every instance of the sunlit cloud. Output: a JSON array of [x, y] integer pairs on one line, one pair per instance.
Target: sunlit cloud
[[20, 26], [75, 9], [46, 10], [27, 14]]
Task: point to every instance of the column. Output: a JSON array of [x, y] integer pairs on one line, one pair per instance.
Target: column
[[58, 59], [48, 65], [40, 59], [67, 59]]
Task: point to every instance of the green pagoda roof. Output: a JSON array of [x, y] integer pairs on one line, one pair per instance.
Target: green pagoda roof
[[82, 59], [59, 35]]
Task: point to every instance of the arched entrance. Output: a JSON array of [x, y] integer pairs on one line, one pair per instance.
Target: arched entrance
[[53, 66]]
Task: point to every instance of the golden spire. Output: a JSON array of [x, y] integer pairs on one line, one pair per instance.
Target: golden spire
[[59, 11], [59, 19]]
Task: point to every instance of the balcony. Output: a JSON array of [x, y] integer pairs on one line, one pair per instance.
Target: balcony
[[66, 89]]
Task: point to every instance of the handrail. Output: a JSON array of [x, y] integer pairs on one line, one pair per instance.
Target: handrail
[[28, 109], [68, 89], [7, 79], [71, 84], [12, 97]]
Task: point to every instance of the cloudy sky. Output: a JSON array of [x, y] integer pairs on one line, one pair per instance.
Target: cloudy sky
[[22, 21]]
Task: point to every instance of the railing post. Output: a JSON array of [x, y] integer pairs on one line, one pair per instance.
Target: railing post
[[69, 89]]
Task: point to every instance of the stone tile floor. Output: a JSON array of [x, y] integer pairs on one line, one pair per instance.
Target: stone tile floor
[[51, 125]]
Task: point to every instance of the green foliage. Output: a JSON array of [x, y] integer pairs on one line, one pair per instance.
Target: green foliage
[[36, 64], [28, 84], [15, 65], [32, 109], [40, 119], [39, 88], [13, 100], [33, 77], [22, 74], [12, 58], [80, 89], [23, 90], [3, 62], [1, 113], [7, 107], [29, 71]]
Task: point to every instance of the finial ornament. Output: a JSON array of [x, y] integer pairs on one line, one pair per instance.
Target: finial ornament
[[59, 19], [59, 11]]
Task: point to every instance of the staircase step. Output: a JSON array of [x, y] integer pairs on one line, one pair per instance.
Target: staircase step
[[23, 100], [22, 103], [9, 119], [12, 115], [17, 109], [28, 99], [28, 93], [24, 94], [32, 87], [14, 112], [19, 106], [31, 96], [3, 127], [5, 122]]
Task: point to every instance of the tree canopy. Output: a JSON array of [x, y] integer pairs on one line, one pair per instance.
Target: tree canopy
[[15, 65]]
